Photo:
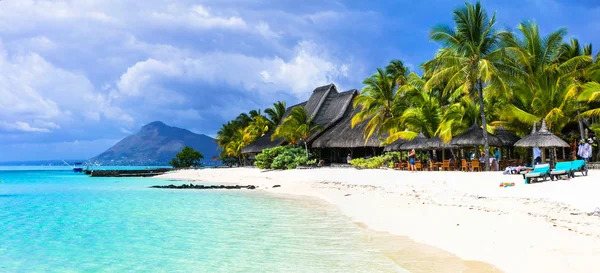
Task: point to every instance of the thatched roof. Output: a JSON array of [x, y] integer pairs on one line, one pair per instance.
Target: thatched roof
[[265, 141], [437, 143], [395, 146], [474, 137], [325, 105], [542, 138], [342, 135], [334, 108], [318, 97], [417, 143], [262, 143], [507, 137]]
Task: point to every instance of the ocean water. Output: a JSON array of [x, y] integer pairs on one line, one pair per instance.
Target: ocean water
[[53, 220]]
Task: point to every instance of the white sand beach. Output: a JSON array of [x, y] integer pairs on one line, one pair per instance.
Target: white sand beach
[[542, 227]]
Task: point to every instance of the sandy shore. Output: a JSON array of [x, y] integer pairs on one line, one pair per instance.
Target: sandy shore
[[543, 227]]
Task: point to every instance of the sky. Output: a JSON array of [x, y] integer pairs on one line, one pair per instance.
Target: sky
[[76, 76]]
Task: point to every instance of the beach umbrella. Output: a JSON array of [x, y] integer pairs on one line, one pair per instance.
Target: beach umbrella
[[507, 137], [474, 137], [417, 143], [395, 146], [542, 138]]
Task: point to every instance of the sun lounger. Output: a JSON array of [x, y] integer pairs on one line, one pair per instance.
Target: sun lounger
[[561, 169], [579, 166], [541, 171]]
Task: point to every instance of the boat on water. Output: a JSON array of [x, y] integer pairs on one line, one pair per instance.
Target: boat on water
[[77, 166]]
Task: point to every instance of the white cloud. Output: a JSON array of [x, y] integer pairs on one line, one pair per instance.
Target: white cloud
[[265, 30], [37, 96], [309, 67], [20, 126], [196, 17]]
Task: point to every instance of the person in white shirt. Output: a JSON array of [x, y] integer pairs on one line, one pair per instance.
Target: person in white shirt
[[537, 155]]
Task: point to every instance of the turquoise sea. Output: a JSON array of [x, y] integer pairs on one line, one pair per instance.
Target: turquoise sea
[[54, 220]]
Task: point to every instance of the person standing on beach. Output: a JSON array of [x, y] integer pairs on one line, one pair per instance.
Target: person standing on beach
[[411, 160], [348, 158]]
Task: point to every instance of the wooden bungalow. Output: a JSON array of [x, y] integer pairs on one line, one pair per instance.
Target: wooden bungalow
[[335, 144], [333, 111]]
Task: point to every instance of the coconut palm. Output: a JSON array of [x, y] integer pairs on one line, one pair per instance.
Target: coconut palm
[[552, 77], [470, 58], [420, 111], [591, 95], [297, 127], [276, 112], [378, 102], [398, 72], [457, 118]]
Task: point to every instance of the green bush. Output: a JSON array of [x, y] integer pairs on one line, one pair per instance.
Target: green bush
[[283, 157], [376, 162]]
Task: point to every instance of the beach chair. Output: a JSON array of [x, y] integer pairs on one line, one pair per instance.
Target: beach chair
[[475, 165], [579, 166], [446, 165], [562, 168], [541, 171], [463, 165], [418, 166]]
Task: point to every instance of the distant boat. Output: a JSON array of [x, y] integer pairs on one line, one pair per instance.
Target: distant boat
[[77, 166]]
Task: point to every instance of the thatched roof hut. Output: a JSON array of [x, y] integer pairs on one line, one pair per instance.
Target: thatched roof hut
[[507, 137], [395, 146], [342, 135], [417, 143], [542, 138], [437, 143], [326, 105], [474, 137]]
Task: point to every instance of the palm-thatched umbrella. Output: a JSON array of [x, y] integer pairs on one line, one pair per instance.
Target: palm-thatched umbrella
[[394, 146], [436, 143], [417, 143], [474, 137], [507, 137], [542, 138]]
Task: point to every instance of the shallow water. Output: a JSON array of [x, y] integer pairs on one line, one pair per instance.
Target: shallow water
[[59, 221]]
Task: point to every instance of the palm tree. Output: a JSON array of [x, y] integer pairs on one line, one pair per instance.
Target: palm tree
[[421, 110], [378, 102], [398, 72], [590, 95], [276, 113], [298, 126], [259, 126], [553, 72], [470, 59]]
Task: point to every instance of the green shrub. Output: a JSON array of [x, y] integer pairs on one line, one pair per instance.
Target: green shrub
[[280, 158], [376, 162]]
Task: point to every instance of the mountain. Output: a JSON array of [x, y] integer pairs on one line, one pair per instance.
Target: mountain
[[156, 144]]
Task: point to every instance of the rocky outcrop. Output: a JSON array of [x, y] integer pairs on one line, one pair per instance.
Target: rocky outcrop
[[206, 187]]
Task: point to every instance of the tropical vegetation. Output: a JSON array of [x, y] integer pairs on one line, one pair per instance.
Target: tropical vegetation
[[481, 74], [282, 157], [187, 158]]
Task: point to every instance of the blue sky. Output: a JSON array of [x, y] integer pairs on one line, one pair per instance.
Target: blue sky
[[76, 76]]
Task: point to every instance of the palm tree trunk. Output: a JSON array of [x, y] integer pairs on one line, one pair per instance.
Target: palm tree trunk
[[306, 148], [486, 146], [580, 122]]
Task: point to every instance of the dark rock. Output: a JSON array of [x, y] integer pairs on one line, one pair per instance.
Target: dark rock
[[276, 186]]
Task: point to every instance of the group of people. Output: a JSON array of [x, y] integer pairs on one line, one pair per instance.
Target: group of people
[[584, 149]]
